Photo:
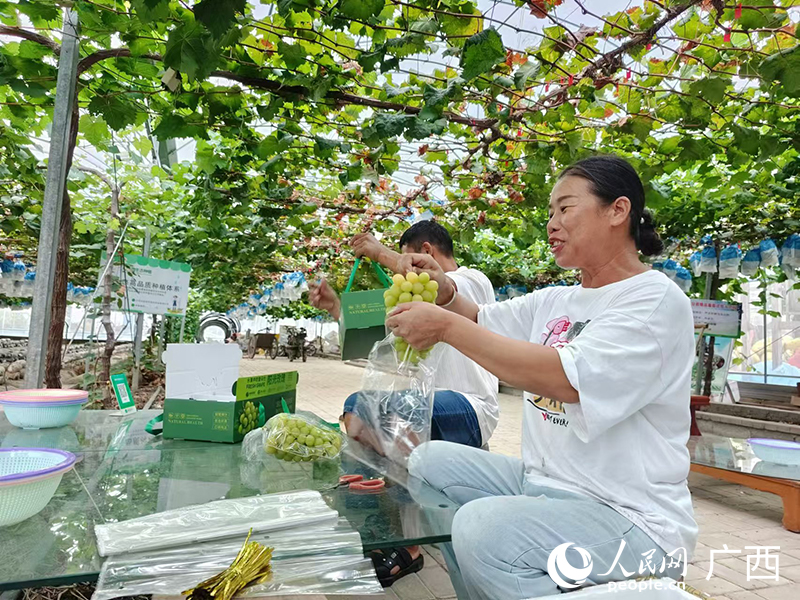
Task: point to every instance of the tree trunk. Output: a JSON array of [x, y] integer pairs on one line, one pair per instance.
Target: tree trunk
[[58, 309], [105, 360]]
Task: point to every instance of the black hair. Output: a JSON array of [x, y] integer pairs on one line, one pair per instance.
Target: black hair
[[428, 231], [612, 177]]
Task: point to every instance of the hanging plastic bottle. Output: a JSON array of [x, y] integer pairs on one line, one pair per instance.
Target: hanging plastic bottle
[[694, 263], [708, 257], [684, 279], [729, 260], [769, 253], [751, 262], [670, 269]]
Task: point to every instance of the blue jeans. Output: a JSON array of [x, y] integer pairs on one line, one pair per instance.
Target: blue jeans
[[507, 528], [454, 419]]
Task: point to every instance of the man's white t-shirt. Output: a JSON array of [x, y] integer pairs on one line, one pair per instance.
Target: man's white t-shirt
[[458, 373], [627, 348]]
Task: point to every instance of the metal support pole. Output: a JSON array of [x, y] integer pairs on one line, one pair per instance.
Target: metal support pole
[[183, 324], [701, 346], [53, 199], [137, 340]]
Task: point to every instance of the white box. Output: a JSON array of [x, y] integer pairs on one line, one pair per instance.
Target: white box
[[202, 371]]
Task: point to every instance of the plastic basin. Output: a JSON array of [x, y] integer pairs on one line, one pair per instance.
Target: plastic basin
[[782, 452], [28, 479], [40, 409]]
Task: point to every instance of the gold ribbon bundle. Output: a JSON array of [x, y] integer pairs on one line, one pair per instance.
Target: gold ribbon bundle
[[251, 566]]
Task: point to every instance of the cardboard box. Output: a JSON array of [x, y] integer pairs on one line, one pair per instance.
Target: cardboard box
[[206, 398], [219, 420], [363, 317]]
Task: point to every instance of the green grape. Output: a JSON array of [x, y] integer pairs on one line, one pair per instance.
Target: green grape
[[390, 301], [240, 429], [412, 277], [271, 450], [404, 297], [279, 454], [395, 290], [304, 430], [407, 286], [310, 440], [432, 285], [427, 296], [398, 279], [424, 278], [417, 288], [417, 298], [331, 452], [242, 418]]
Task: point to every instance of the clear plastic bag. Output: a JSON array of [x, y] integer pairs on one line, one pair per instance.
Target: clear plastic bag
[[395, 405], [301, 438], [323, 559], [214, 520]]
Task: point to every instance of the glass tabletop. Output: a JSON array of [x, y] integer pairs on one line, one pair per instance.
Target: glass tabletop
[[123, 472], [734, 454]]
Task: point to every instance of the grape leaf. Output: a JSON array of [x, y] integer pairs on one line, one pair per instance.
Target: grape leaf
[[219, 15], [783, 66], [524, 73], [151, 10], [482, 52], [293, 55], [710, 88], [361, 10], [191, 51], [175, 126], [115, 110]]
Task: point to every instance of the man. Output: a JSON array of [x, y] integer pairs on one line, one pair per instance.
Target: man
[[465, 408]]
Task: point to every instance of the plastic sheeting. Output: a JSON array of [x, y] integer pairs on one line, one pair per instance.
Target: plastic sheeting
[[319, 559], [215, 520]]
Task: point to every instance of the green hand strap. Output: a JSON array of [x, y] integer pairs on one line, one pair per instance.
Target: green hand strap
[[151, 425], [382, 276]]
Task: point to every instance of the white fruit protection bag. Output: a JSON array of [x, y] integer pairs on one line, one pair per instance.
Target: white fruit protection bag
[[395, 405]]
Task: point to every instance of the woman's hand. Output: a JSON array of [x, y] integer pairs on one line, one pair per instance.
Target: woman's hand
[[420, 263], [322, 296], [420, 324]]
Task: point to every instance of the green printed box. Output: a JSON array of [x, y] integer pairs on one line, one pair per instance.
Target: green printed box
[[362, 322], [257, 399]]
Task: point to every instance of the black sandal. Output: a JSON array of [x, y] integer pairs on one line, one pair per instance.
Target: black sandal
[[384, 563]]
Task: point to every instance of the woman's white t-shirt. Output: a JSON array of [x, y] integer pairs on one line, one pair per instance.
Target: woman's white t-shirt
[[627, 348]]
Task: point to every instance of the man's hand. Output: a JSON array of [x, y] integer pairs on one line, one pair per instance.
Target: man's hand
[[420, 324], [365, 244], [420, 263], [322, 296]]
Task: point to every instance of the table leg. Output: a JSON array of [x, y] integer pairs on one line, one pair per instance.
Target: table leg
[[791, 509], [787, 489]]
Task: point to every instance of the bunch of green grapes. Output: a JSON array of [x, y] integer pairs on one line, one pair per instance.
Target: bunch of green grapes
[[292, 438], [411, 288], [248, 419]]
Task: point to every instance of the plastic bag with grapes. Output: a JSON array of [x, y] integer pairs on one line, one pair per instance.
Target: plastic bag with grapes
[[301, 438], [395, 404]]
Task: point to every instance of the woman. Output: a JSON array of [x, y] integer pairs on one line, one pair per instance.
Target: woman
[[606, 366]]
